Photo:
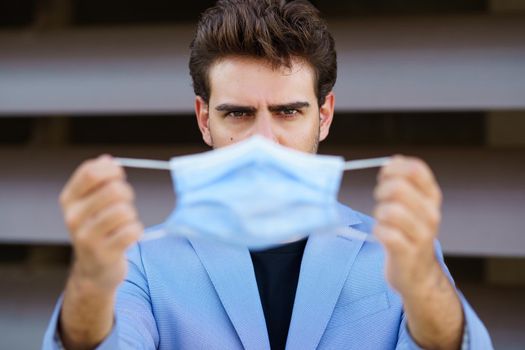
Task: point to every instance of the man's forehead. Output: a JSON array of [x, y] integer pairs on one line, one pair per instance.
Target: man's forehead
[[244, 78], [296, 64]]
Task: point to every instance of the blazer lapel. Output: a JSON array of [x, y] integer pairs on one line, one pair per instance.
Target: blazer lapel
[[326, 263], [231, 272]]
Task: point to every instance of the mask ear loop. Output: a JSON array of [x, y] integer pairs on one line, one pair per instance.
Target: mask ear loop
[[143, 163], [366, 163], [165, 165]]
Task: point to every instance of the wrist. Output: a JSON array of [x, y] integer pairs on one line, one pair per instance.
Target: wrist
[[90, 285], [434, 280], [87, 313], [434, 312], [99, 277]]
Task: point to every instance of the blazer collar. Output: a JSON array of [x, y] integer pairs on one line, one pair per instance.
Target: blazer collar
[[326, 262], [231, 271]]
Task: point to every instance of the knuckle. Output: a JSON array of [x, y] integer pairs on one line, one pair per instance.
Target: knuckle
[[418, 162], [71, 218], [120, 171], [426, 239], [125, 242], [393, 211], [379, 212], [399, 215], [421, 167], [91, 175], [397, 158], [391, 239], [122, 190], [439, 196], [86, 164], [124, 212], [435, 218], [132, 236], [133, 213], [397, 189], [128, 236], [418, 166], [390, 189], [120, 210], [382, 213], [397, 163], [139, 227], [114, 190], [116, 170], [388, 239], [129, 192], [388, 213]]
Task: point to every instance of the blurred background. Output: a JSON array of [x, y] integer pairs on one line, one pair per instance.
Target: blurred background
[[440, 79]]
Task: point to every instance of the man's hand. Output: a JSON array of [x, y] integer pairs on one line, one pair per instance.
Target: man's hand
[[98, 209], [99, 212], [408, 215]]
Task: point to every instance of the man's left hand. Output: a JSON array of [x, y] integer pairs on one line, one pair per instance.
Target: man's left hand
[[408, 215]]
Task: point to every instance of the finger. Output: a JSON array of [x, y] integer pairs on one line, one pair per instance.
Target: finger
[[90, 175], [392, 239], [416, 171], [109, 220], [402, 191], [126, 235], [397, 216], [110, 193]]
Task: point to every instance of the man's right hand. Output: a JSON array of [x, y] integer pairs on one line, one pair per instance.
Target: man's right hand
[[99, 211]]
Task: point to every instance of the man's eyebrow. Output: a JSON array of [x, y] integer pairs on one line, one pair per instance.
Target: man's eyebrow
[[227, 107], [285, 106]]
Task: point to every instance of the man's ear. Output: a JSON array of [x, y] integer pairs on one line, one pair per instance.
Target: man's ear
[[203, 119], [326, 114]]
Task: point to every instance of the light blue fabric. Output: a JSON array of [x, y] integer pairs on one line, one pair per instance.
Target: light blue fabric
[[255, 194], [198, 294]]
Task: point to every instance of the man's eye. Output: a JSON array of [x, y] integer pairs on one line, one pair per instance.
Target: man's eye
[[237, 114], [288, 112]]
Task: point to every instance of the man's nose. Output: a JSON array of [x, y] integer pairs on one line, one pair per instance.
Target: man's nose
[[264, 127]]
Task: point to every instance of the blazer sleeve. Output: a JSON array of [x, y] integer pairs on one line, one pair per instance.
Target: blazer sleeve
[[134, 326], [475, 335]]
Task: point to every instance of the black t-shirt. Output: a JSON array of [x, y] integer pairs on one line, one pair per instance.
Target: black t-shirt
[[277, 273]]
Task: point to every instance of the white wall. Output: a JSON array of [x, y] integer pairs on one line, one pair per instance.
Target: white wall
[[407, 63]]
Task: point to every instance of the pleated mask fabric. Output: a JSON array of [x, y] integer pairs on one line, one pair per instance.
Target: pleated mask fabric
[[255, 194]]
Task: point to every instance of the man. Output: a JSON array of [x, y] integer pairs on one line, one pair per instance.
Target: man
[[261, 68]]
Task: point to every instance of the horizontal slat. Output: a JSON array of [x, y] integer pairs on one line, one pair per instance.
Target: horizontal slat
[[408, 63], [483, 189]]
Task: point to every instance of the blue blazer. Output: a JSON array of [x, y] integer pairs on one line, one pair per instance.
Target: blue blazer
[[197, 294]]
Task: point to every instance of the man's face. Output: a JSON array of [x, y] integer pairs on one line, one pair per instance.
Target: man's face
[[248, 97]]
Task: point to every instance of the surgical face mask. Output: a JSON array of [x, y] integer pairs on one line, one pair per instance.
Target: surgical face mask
[[255, 193]]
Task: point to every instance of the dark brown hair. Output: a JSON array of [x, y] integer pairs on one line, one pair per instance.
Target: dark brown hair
[[275, 30]]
